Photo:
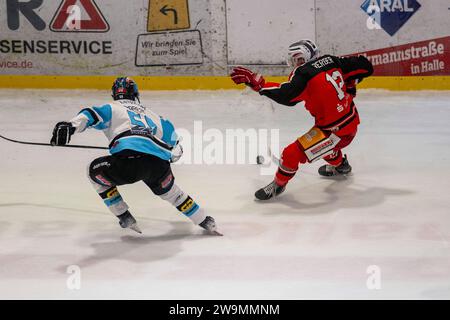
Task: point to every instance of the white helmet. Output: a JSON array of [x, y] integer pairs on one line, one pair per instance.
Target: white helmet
[[301, 52]]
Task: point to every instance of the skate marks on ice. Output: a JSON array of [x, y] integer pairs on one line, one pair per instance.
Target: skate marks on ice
[[440, 292], [329, 195], [41, 205]]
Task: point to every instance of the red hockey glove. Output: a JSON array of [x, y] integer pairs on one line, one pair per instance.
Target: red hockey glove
[[243, 75]]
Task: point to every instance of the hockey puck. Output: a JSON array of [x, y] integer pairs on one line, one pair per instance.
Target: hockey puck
[[259, 159]]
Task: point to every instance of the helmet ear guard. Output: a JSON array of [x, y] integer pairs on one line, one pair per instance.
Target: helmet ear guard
[[296, 59]]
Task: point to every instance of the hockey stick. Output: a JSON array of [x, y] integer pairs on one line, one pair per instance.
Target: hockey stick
[[274, 158], [50, 145]]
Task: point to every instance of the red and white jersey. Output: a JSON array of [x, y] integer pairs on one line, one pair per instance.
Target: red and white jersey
[[322, 85]]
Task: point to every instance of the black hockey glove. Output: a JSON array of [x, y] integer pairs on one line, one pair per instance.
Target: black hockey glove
[[352, 91], [351, 87], [62, 133]]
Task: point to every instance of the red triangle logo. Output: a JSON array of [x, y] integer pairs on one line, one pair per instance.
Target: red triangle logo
[[64, 19]]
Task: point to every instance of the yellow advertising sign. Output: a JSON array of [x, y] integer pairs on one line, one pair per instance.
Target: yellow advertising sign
[[168, 15]]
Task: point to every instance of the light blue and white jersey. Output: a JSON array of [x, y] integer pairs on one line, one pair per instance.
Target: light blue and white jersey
[[129, 125]]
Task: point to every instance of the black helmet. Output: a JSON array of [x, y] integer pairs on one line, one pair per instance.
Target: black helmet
[[125, 88]]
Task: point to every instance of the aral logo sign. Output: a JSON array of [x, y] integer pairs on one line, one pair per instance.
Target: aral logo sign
[[390, 15], [71, 16]]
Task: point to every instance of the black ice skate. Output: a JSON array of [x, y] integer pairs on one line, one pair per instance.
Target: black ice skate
[[330, 171], [269, 191], [126, 220], [209, 224]]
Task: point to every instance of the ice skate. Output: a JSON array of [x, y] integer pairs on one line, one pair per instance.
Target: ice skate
[[269, 191], [330, 171], [126, 220], [209, 224]]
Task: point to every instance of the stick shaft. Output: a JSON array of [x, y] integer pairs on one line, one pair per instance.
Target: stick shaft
[[274, 157], [50, 145]]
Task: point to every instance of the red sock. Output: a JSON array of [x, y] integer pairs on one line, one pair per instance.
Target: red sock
[[291, 157]]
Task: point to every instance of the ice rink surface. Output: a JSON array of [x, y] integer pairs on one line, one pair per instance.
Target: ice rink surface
[[316, 241]]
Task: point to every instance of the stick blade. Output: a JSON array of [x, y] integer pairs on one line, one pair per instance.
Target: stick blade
[[135, 227]]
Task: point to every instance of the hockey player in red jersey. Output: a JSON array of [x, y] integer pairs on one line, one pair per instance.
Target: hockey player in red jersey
[[327, 85]]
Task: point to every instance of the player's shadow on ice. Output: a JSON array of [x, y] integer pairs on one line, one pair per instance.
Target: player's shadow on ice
[[131, 247], [333, 194], [140, 248]]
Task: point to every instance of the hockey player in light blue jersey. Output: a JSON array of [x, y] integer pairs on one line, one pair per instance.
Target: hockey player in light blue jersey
[[142, 146]]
